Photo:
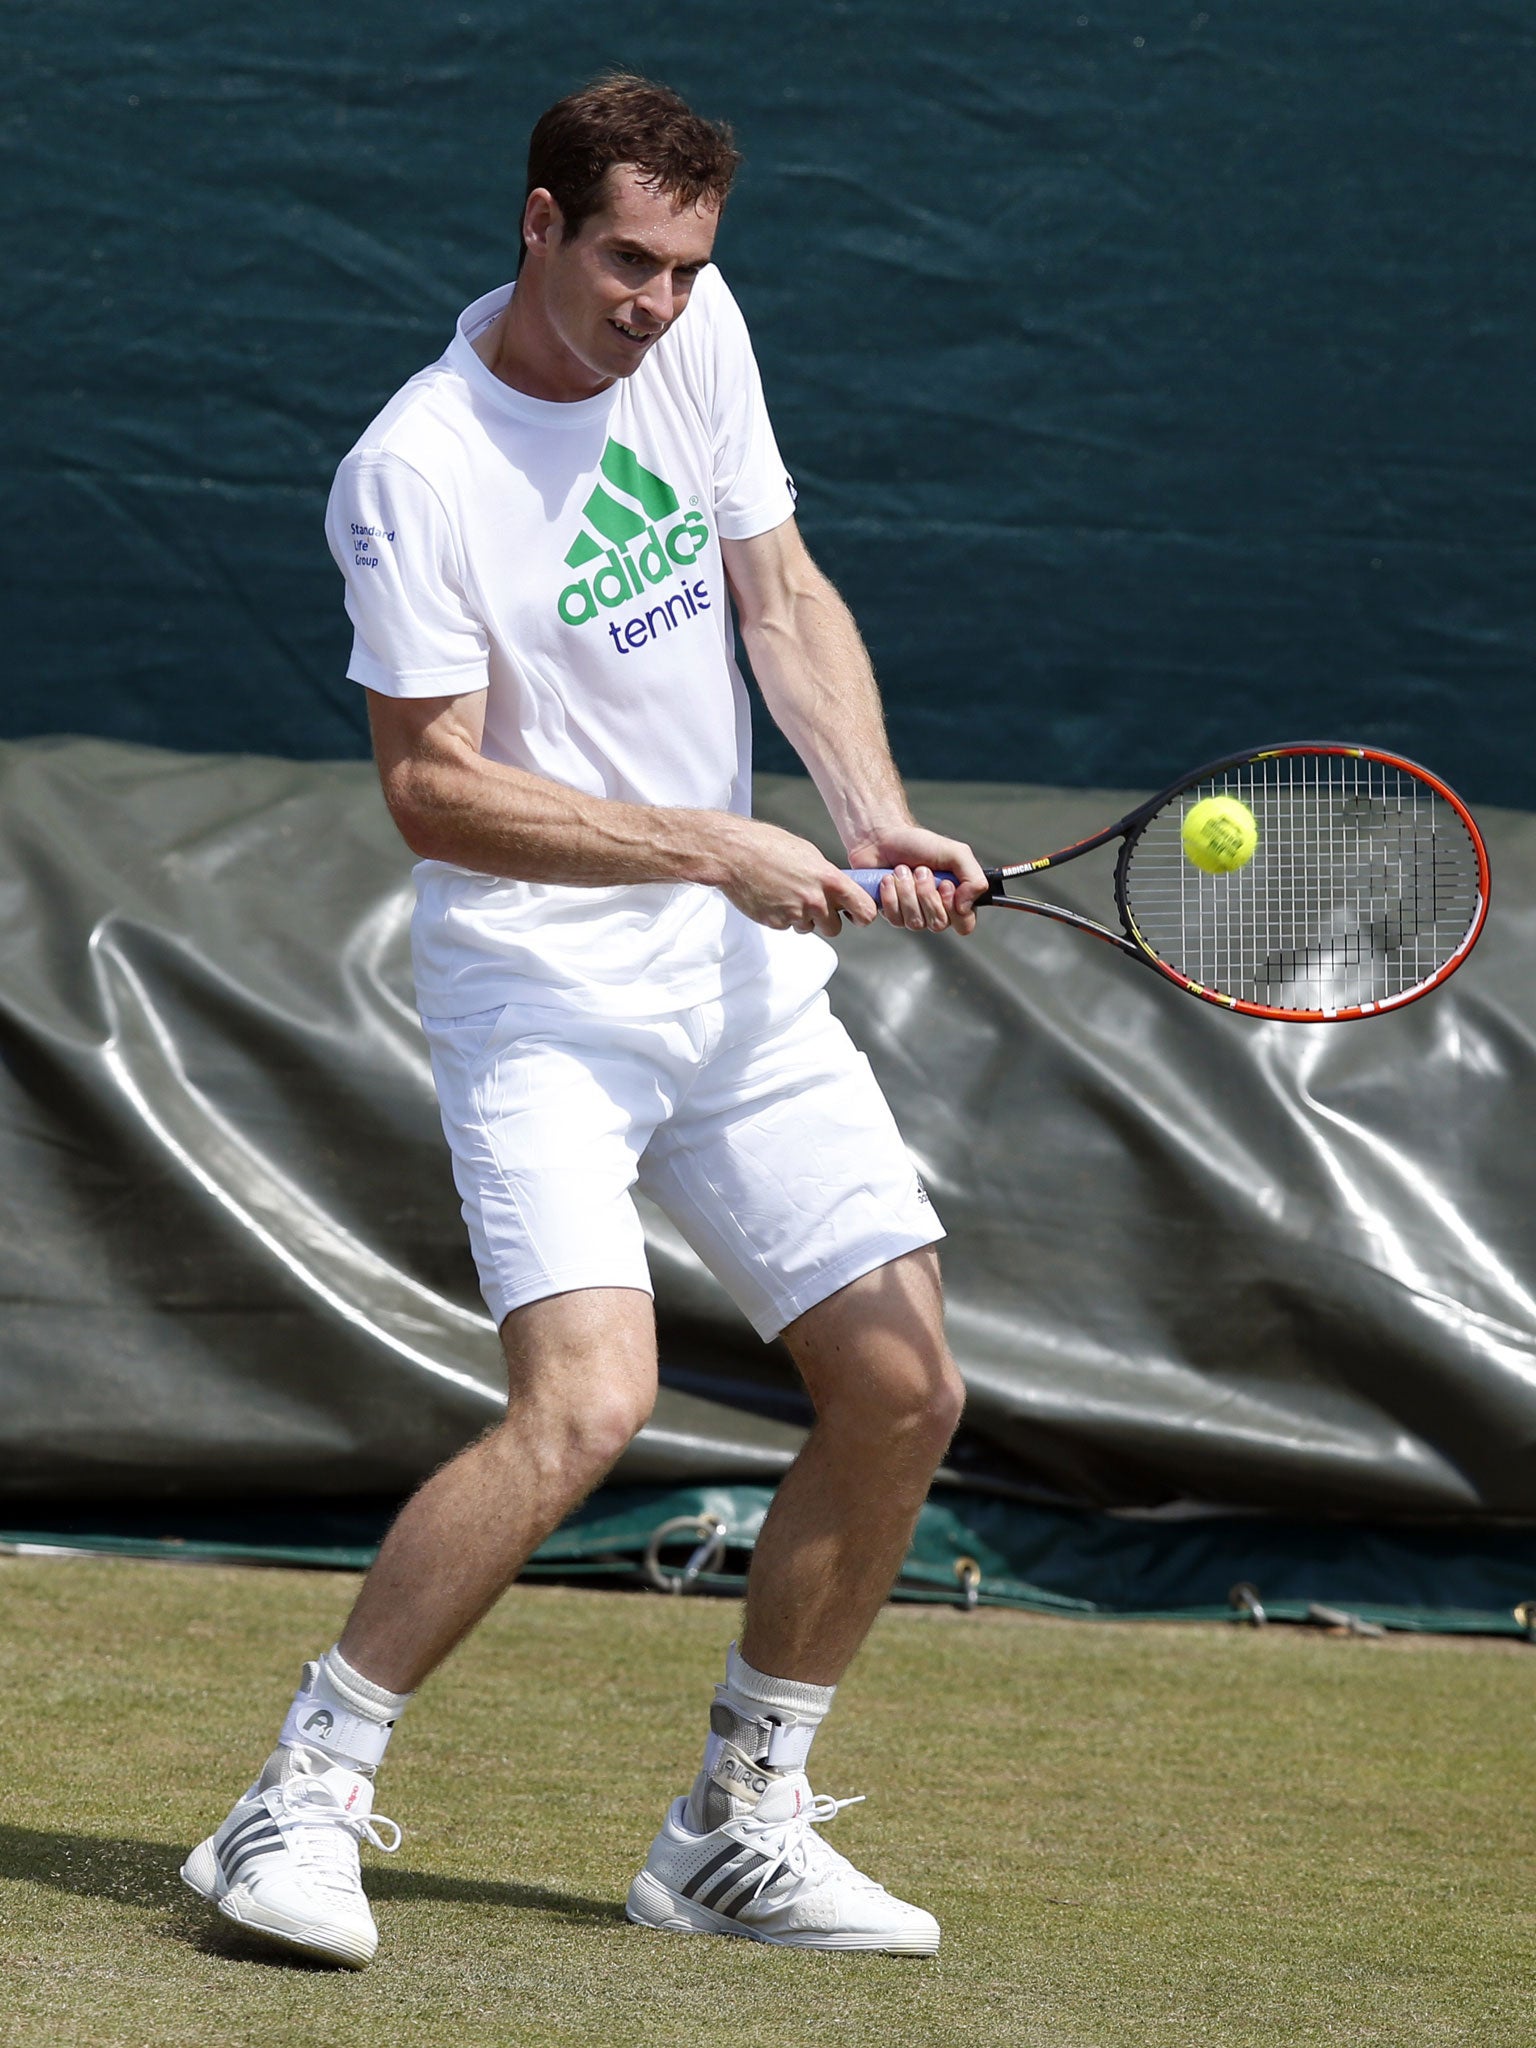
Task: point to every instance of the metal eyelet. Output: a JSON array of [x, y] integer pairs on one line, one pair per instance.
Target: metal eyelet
[[968, 1574], [1246, 1605], [708, 1553]]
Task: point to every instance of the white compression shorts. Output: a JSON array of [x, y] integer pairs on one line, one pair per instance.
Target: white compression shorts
[[768, 1145]]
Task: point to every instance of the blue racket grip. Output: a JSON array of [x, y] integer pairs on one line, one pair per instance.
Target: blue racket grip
[[869, 879]]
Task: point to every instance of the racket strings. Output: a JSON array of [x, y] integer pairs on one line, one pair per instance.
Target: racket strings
[[1365, 883]]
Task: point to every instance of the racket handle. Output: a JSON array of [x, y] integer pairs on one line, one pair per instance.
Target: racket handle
[[869, 879]]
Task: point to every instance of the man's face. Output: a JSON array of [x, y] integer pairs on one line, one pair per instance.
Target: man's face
[[611, 291]]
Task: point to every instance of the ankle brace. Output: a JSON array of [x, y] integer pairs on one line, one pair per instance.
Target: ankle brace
[[339, 1711], [771, 1720]]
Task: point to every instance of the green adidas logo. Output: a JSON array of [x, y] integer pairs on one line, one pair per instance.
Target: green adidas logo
[[611, 515]]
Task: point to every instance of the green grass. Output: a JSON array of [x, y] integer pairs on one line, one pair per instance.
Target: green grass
[[1132, 1834]]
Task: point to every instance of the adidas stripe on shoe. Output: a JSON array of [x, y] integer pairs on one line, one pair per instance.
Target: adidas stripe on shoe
[[285, 1864], [766, 1874]]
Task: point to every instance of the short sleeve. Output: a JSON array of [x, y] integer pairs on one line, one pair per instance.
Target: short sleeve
[[414, 633], [753, 491]]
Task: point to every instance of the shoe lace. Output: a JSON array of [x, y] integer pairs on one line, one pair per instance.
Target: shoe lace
[[790, 1845], [324, 1837]]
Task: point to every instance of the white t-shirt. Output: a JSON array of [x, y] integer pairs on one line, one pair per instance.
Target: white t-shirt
[[566, 559]]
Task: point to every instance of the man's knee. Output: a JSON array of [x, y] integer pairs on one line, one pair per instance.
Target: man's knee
[[582, 1379], [923, 1400], [603, 1427], [947, 1401], [874, 1357], [900, 1400], [577, 1433]]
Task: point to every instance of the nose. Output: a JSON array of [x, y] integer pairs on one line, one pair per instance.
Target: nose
[[658, 301]]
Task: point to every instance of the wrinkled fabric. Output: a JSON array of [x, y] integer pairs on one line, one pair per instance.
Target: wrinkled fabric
[[1192, 1258]]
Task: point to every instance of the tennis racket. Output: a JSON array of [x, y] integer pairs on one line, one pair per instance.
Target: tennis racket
[[1367, 888]]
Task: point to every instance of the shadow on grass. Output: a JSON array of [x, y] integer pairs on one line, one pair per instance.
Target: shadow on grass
[[148, 1874]]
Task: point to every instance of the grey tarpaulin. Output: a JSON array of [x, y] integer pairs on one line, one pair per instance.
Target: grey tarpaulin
[[1192, 1258]]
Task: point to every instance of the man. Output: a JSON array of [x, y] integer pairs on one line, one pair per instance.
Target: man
[[620, 978]]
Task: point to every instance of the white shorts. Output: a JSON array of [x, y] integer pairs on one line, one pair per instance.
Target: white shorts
[[769, 1145]]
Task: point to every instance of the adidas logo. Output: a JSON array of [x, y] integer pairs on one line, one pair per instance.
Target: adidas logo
[[634, 510]]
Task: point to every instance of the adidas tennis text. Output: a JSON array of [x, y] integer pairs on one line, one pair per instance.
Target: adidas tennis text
[[649, 539]]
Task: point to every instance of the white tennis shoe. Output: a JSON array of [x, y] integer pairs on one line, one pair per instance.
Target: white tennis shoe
[[766, 1874], [285, 1863]]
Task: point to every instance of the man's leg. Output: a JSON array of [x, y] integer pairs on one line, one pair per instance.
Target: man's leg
[[888, 1398], [738, 1855], [581, 1372], [582, 1380]]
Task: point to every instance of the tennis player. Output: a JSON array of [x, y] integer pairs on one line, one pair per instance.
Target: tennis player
[[622, 977]]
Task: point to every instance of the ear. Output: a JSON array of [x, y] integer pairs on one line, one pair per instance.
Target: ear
[[542, 220]]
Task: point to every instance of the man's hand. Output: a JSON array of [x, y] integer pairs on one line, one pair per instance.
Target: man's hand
[[910, 896], [782, 881]]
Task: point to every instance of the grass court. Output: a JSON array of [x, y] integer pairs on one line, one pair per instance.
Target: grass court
[[1132, 1834]]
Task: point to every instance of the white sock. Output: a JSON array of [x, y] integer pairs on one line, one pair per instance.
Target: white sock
[[339, 1711]]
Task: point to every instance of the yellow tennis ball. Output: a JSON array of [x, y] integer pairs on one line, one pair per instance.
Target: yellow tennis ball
[[1220, 835]]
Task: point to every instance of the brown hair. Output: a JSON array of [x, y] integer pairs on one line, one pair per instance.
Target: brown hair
[[622, 119]]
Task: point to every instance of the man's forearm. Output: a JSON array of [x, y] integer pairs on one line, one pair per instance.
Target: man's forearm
[[452, 804], [473, 813], [815, 675]]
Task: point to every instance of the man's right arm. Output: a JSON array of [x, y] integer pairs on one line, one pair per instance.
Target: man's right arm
[[451, 804]]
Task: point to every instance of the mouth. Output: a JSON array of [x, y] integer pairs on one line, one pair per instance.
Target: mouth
[[636, 337]]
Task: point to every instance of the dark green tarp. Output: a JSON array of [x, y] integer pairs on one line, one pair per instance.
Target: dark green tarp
[[969, 1551], [1156, 378]]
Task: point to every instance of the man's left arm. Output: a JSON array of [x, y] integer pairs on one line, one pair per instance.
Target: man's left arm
[[816, 679]]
